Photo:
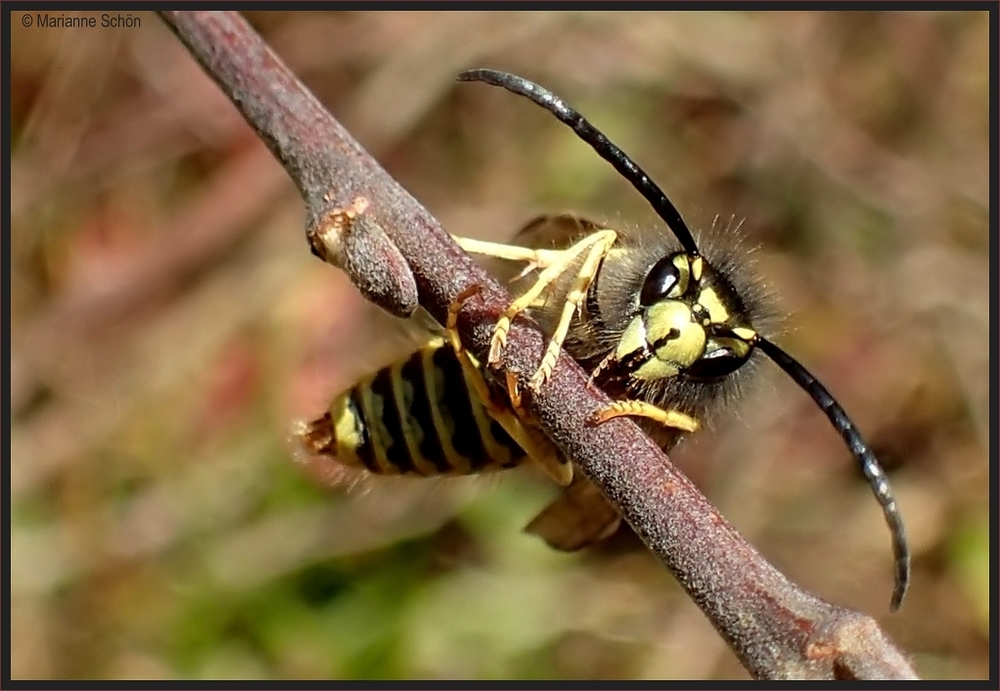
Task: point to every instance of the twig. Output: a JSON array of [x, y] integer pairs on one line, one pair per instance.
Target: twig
[[776, 629]]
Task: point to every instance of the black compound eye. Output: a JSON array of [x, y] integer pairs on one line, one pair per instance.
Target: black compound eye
[[716, 364], [660, 281]]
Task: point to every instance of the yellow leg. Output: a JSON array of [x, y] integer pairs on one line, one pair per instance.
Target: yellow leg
[[536, 258], [553, 263], [469, 364], [451, 323], [514, 390], [532, 440], [601, 366], [512, 418], [667, 418], [602, 242]]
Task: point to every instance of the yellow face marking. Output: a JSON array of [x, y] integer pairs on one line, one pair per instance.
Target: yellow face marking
[[739, 347], [656, 369], [673, 335], [697, 267], [684, 276], [632, 340], [717, 312], [667, 328], [748, 335]]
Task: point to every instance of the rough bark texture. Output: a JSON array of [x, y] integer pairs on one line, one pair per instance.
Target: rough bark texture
[[776, 629]]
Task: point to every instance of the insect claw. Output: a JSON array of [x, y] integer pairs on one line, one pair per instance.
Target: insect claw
[[514, 389], [531, 266], [688, 324], [539, 378], [451, 325], [629, 408], [499, 340], [545, 369]]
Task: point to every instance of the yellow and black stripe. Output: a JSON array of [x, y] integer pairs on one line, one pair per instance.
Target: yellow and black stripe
[[418, 416]]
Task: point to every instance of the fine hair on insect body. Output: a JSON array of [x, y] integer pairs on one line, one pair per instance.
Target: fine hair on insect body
[[671, 216], [668, 329]]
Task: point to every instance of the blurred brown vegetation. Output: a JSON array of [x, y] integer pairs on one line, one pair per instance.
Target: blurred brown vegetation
[[168, 324]]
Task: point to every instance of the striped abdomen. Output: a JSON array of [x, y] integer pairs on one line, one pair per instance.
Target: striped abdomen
[[420, 415]]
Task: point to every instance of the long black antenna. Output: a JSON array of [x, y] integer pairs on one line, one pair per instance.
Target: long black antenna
[[601, 144], [668, 212], [869, 464]]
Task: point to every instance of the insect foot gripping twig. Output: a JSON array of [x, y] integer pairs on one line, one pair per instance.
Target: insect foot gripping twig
[[593, 248], [353, 241], [668, 418], [767, 621], [689, 329], [509, 414]]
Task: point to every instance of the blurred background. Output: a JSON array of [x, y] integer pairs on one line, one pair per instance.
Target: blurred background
[[169, 324]]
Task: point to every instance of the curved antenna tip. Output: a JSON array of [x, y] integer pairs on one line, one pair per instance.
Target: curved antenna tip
[[870, 466]]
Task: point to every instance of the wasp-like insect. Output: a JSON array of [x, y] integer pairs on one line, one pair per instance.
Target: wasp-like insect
[[668, 331]]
